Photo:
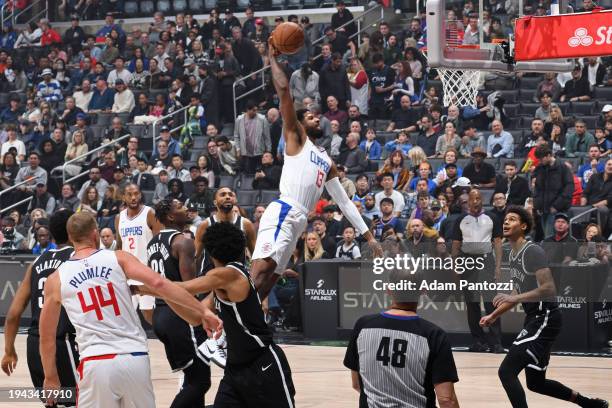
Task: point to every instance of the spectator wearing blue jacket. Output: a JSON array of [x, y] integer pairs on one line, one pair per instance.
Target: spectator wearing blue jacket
[[173, 145], [500, 143], [425, 173], [49, 89], [103, 97], [370, 146], [110, 26], [401, 143], [11, 113], [591, 166]]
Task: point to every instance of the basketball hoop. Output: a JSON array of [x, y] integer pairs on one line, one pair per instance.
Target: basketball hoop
[[459, 87]]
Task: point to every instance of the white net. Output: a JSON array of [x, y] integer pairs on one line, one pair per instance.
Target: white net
[[459, 87]]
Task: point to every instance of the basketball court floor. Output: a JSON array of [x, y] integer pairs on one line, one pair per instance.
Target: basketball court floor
[[322, 381]]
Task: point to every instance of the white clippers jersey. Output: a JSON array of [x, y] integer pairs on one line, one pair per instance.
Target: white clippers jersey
[[97, 298], [304, 176], [135, 234]]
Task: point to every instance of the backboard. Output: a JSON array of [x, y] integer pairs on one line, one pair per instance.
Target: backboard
[[480, 36]]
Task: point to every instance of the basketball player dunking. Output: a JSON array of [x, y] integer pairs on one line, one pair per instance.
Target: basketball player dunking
[[535, 289], [135, 226], [114, 370], [171, 254], [257, 373], [225, 202], [307, 169], [31, 291]]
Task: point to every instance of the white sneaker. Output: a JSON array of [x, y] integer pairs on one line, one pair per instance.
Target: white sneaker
[[211, 350], [398, 11]]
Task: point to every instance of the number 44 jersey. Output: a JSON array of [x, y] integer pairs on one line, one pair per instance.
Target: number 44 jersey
[[97, 298]]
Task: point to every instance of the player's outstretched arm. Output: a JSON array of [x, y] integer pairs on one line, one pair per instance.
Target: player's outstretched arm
[[217, 278], [11, 324], [117, 234], [134, 269], [445, 393], [502, 302], [338, 194], [49, 317], [199, 245], [294, 139]]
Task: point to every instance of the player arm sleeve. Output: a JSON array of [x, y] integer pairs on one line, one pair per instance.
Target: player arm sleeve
[[351, 358], [347, 207]]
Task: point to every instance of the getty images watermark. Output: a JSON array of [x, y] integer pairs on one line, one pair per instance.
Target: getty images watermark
[[423, 264]]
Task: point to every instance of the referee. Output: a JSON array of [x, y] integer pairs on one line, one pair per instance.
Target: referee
[[398, 359], [476, 234]]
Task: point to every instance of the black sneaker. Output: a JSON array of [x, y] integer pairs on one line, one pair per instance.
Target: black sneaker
[[478, 348], [497, 349], [598, 403]]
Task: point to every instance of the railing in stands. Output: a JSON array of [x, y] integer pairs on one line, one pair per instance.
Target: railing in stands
[[13, 187], [5, 15], [168, 116], [14, 16], [17, 204], [582, 214], [79, 158], [261, 71]]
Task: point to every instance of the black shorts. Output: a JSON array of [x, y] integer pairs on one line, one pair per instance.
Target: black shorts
[[67, 360], [264, 383], [537, 338], [180, 340]]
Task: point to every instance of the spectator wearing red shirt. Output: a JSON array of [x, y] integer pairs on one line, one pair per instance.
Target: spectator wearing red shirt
[[49, 36], [577, 184]]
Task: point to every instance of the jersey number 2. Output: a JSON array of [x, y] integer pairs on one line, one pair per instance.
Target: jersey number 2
[[398, 353], [98, 301], [320, 177], [131, 243]]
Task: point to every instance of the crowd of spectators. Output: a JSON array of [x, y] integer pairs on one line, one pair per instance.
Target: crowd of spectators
[[405, 160]]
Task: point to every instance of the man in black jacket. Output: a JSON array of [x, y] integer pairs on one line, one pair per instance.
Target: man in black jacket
[[75, 36], [209, 95], [598, 193], [353, 158], [333, 81], [341, 17], [202, 199], [515, 188], [267, 176], [554, 187]]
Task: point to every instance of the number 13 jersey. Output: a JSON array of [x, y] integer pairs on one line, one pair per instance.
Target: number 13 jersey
[[304, 176], [97, 298]]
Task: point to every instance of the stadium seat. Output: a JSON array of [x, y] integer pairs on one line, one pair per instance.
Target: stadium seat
[[104, 119], [227, 181], [526, 95], [179, 6], [131, 8], [591, 122], [603, 94], [463, 162], [311, 3], [148, 196], [512, 109], [486, 195], [164, 6], [196, 5], [582, 108], [210, 4], [510, 96], [246, 182], [529, 83], [294, 4], [136, 130], [188, 188], [241, 4], [147, 7], [277, 4], [247, 197], [517, 135], [529, 108], [267, 196], [4, 99], [199, 143]]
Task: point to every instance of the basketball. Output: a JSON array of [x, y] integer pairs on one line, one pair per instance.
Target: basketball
[[288, 38]]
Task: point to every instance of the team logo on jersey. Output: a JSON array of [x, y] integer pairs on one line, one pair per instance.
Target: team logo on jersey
[[523, 333]]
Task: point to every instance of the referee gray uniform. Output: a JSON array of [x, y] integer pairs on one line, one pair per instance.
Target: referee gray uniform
[[476, 234], [399, 360]]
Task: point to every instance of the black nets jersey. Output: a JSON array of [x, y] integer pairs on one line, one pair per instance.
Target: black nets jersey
[[523, 266], [42, 267], [247, 334], [160, 259], [399, 359], [206, 261]]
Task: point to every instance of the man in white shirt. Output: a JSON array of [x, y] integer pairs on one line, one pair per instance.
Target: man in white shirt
[[472, 34], [83, 97], [386, 182], [500, 143], [12, 141], [124, 98], [119, 73]]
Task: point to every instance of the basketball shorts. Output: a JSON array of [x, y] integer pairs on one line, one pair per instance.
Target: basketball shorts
[[143, 302], [263, 383], [537, 338], [116, 380], [280, 228], [67, 358], [180, 340]]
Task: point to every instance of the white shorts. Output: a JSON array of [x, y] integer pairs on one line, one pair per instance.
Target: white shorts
[[280, 227], [115, 381], [144, 302]]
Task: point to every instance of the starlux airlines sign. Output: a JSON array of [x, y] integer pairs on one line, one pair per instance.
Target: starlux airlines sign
[[563, 36]]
